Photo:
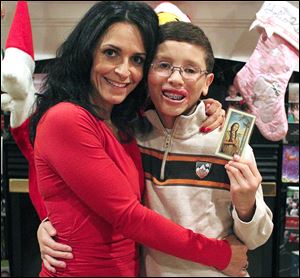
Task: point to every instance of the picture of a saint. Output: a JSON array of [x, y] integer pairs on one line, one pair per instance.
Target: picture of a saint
[[231, 144], [238, 129]]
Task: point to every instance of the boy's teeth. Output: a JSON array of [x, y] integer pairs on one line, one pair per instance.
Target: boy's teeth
[[173, 96]]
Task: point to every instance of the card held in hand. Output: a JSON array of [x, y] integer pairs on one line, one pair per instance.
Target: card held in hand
[[236, 133]]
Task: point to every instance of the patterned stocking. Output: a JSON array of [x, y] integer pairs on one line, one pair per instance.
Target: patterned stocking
[[263, 80]]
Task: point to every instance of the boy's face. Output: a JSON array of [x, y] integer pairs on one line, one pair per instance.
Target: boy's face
[[175, 95]]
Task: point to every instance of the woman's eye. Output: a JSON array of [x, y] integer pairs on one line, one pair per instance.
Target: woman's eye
[[110, 52], [138, 60]]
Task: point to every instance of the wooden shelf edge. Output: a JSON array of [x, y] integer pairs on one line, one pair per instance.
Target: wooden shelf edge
[[18, 186]]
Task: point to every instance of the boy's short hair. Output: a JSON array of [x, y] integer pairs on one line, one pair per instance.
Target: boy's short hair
[[187, 32]]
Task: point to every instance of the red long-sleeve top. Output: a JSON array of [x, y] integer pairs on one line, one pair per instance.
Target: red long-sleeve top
[[91, 185]]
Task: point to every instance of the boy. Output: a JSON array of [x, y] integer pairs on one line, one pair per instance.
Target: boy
[[210, 201]]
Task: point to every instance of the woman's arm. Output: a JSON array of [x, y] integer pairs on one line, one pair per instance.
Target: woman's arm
[[52, 251]]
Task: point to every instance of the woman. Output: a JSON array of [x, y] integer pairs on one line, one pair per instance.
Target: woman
[[88, 166]]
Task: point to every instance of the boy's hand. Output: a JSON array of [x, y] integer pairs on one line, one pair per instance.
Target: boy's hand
[[244, 182], [50, 249]]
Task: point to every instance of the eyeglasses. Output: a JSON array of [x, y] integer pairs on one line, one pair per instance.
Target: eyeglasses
[[165, 69]]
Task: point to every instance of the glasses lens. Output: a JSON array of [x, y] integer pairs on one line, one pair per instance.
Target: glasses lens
[[163, 68], [188, 72], [194, 74]]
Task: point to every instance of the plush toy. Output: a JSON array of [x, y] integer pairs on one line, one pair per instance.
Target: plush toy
[[17, 70], [263, 80], [168, 12]]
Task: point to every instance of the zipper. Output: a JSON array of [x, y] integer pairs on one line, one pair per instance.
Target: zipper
[[167, 147]]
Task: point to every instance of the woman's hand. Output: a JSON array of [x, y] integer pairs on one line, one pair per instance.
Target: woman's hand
[[50, 249], [215, 113], [244, 181]]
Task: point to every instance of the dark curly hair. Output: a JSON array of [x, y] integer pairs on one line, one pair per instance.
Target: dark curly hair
[[68, 76]]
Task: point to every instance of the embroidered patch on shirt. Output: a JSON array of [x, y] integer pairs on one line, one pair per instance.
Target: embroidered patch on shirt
[[203, 168]]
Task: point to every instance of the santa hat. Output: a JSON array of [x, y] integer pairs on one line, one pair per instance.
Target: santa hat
[[20, 35], [168, 12]]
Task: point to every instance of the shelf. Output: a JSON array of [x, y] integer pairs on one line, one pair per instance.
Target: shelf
[[269, 189], [18, 186]]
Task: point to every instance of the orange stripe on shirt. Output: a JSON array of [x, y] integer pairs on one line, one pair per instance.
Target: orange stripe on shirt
[[178, 157], [185, 182]]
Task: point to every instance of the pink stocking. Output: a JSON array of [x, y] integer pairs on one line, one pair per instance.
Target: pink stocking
[[263, 80]]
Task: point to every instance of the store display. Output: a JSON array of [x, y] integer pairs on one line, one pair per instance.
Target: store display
[[293, 104], [234, 99], [290, 164], [289, 250]]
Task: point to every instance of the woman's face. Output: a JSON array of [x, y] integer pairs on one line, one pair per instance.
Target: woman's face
[[118, 64]]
